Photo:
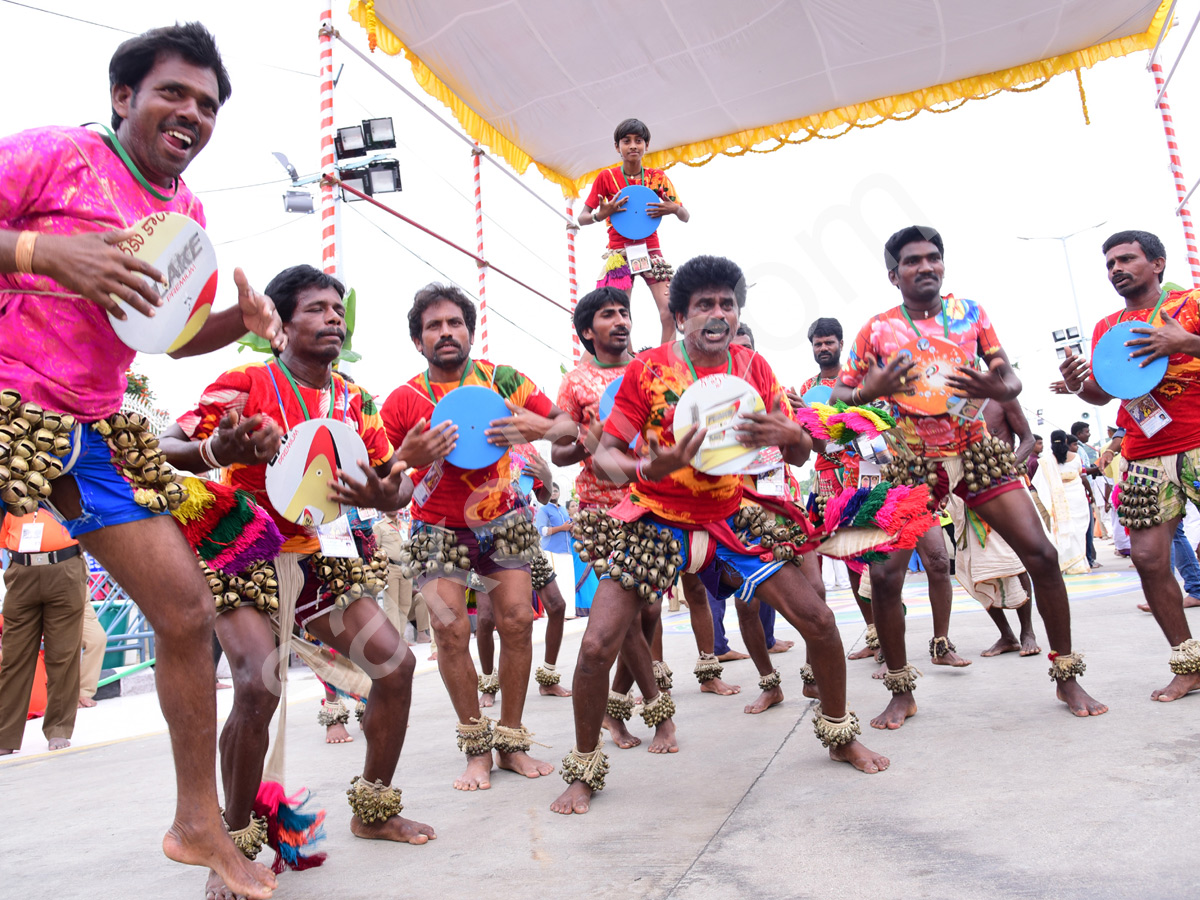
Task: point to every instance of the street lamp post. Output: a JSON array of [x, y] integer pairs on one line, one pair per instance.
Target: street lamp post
[[1062, 239]]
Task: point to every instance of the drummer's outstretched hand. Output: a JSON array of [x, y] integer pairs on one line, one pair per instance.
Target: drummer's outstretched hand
[[664, 208], [250, 441], [1156, 343], [521, 427], [967, 381], [884, 381], [92, 266], [665, 460], [386, 494], [771, 429], [423, 446], [1075, 371], [258, 312]]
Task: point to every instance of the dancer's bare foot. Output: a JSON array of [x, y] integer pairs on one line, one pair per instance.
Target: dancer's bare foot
[[1078, 700], [433, 655], [1189, 602], [664, 738], [486, 700], [577, 798], [237, 875], [717, 686], [423, 637], [553, 690], [401, 830], [524, 764], [1180, 686], [337, 734], [619, 733], [59, 743], [86, 702], [1029, 644], [860, 757], [810, 691], [864, 653], [880, 672], [477, 777], [732, 655], [782, 646], [7, 752], [950, 659], [1004, 645], [899, 708], [765, 701], [214, 888]]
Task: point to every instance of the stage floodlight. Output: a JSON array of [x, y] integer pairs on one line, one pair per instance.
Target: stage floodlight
[[349, 142], [384, 177], [1059, 336], [1073, 333], [379, 134], [298, 202], [1077, 348], [1062, 352], [357, 179]]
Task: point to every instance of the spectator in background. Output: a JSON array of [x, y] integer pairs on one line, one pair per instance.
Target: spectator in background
[[46, 583], [94, 643], [400, 604], [554, 525], [1088, 456]]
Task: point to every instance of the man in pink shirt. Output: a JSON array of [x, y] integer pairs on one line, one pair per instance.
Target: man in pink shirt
[[67, 197]]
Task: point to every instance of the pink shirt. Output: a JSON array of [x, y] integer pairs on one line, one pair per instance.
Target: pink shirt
[[61, 351]]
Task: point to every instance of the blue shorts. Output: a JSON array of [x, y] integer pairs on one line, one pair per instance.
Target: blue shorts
[[105, 496], [744, 572]]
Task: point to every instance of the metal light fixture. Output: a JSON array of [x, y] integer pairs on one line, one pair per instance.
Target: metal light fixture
[[385, 177], [298, 202], [357, 179], [379, 134], [350, 143]]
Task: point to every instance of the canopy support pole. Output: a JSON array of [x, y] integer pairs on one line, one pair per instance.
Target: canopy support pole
[[476, 152], [331, 261], [571, 231], [1181, 191]]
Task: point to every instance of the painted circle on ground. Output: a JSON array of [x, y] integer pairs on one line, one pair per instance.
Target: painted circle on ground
[[632, 222], [1116, 372], [818, 393], [718, 402], [178, 247], [926, 393], [308, 459], [472, 408]]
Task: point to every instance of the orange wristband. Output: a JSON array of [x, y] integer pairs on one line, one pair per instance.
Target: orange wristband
[[23, 254]]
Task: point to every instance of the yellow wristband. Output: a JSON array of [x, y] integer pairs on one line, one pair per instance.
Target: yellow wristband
[[23, 253]]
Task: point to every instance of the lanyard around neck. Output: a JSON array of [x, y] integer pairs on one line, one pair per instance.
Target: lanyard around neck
[[945, 324], [604, 365], [300, 399], [133, 169], [641, 176], [688, 360], [1157, 307], [470, 368]]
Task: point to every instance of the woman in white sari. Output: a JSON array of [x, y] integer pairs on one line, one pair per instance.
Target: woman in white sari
[[1059, 485]]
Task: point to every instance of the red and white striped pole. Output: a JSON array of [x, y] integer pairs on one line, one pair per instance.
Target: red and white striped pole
[[1189, 230], [575, 349], [329, 253], [483, 332]]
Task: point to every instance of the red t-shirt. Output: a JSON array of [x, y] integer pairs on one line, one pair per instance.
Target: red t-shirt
[[646, 403], [1179, 391], [462, 497], [249, 390], [579, 397], [611, 181]]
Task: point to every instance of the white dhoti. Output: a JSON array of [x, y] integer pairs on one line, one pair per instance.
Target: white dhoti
[[988, 568]]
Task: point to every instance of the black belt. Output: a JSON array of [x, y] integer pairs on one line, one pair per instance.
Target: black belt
[[44, 559]]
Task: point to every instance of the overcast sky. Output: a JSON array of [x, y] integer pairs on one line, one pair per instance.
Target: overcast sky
[[806, 223]]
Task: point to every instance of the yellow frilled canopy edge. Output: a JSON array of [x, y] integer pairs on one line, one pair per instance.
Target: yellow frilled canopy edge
[[829, 124]]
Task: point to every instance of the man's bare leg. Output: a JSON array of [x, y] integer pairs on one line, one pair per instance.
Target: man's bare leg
[[700, 614], [931, 548], [556, 614], [335, 733], [864, 608], [1029, 644], [179, 606], [1015, 519], [1008, 642], [756, 642], [887, 583], [363, 632], [792, 596], [634, 645], [485, 641], [249, 645], [1150, 550], [640, 667], [613, 611], [452, 629], [514, 619]]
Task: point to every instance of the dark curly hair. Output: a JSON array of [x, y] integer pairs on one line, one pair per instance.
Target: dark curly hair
[[192, 42], [433, 293], [701, 272]]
